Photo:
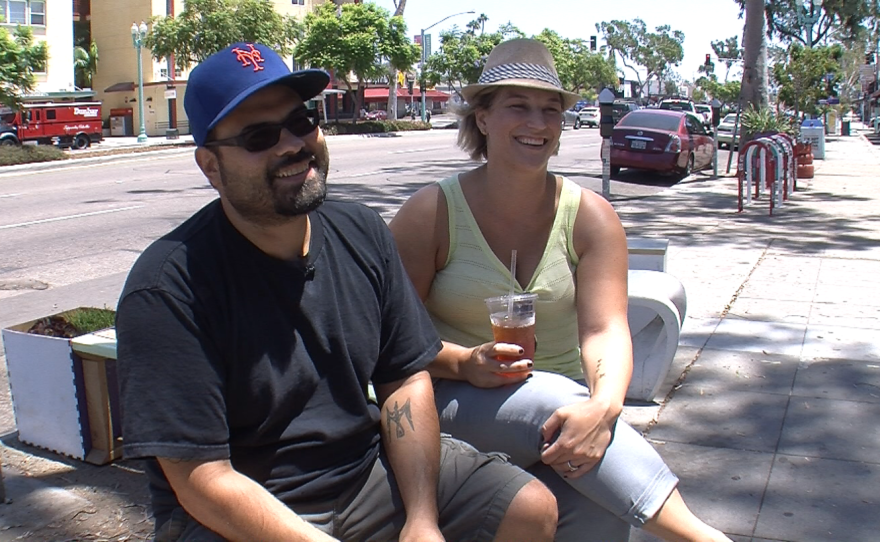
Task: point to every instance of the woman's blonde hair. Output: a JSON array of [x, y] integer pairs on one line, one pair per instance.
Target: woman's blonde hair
[[470, 138]]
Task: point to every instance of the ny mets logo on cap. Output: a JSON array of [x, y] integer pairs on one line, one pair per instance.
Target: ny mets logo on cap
[[253, 57]]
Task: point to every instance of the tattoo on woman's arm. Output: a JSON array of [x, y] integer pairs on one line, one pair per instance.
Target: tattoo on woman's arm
[[599, 373], [396, 416]]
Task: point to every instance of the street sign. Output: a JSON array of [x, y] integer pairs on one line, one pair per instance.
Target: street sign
[[170, 94]]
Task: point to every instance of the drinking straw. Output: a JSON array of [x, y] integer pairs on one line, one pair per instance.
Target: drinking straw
[[512, 281]]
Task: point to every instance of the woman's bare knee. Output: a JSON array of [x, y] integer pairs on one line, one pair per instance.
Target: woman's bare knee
[[531, 516]]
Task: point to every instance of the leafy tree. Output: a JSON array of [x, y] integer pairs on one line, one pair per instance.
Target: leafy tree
[[563, 55], [727, 92], [462, 54], [354, 38], [579, 68], [20, 57], [207, 26], [728, 52], [784, 23], [810, 74], [85, 64], [590, 72], [657, 52]]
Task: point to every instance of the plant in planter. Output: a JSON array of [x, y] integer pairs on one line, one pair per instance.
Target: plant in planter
[[62, 375], [758, 122]]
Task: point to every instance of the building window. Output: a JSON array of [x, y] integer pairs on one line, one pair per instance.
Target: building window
[[38, 13], [298, 2], [25, 12]]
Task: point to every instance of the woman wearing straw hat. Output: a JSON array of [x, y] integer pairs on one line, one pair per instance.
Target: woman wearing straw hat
[[456, 239]]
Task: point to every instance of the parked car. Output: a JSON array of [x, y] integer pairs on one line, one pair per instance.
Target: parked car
[[725, 132], [376, 114], [672, 142], [570, 118], [589, 116], [678, 104], [706, 112], [621, 108]]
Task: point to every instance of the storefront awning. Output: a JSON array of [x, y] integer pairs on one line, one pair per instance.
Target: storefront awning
[[127, 86], [402, 92]]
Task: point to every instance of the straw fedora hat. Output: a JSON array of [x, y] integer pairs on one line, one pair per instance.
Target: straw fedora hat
[[520, 63]]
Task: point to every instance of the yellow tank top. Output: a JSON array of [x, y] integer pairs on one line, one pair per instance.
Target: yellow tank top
[[473, 273]]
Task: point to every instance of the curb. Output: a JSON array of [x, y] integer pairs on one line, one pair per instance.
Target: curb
[[104, 155]]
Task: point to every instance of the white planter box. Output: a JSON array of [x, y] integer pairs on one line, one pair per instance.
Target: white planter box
[[59, 395]]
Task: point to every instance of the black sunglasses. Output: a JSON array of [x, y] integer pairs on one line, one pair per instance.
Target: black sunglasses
[[260, 137]]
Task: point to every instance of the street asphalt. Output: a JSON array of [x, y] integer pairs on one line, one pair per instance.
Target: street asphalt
[[770, 413]]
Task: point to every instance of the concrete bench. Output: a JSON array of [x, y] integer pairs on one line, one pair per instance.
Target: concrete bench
[[656, 311]]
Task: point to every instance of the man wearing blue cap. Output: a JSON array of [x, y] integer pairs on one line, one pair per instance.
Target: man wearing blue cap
[[249, 334]]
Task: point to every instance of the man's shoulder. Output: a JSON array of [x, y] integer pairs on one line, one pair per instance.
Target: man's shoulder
[[350, 216], [174, 249]]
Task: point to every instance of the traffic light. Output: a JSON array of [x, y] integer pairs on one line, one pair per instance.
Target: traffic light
[[592, 43], [409, 86], [708, 60]]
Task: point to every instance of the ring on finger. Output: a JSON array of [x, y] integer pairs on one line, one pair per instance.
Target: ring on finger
[[571, 468]]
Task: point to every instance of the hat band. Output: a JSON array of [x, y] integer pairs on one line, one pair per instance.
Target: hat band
[[519, 71]]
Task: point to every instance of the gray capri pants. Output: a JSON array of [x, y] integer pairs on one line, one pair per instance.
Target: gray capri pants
[[474, 491], [631, 482]]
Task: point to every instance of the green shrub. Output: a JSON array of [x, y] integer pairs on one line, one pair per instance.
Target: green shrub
[[759, 121], [374, 127], [26, 154], [74, 323]]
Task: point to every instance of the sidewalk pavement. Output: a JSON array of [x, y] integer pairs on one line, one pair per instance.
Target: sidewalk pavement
[[770, 412]]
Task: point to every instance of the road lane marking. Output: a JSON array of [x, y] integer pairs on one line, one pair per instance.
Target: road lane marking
[[425, 149], [70, 217], [8, 195]]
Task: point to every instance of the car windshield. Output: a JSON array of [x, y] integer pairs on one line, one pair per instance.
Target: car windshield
[[703, 108], [648, 119], [590, 109], [730, 119]]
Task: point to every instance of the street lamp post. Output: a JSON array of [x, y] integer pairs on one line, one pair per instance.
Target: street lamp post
[[138, 33], [424, 57], [808, 19]]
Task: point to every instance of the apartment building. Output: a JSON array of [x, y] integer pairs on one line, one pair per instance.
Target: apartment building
[[116, 79], [51, 22]]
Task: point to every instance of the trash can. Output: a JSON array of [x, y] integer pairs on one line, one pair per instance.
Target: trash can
[[813, 132], [844, 128]]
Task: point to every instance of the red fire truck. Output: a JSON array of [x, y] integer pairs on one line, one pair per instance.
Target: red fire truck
[[71, 124]]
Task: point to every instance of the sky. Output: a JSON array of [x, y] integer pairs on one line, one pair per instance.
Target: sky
[[702, 21]]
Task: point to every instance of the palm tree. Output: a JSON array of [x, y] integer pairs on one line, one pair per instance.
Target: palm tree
[[85, 64], [754, 84]]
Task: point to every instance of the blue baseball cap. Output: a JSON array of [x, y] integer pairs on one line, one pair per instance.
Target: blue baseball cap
[[227, 78]]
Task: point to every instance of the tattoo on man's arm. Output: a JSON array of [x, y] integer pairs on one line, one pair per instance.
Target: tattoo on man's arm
[[395, 417], [599, 373]]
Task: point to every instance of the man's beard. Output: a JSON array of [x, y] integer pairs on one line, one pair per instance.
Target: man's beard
[[258, 200]]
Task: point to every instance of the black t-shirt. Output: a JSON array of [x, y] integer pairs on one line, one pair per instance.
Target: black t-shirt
[[226, 352]]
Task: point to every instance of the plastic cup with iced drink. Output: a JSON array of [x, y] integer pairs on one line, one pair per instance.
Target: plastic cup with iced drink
[[513, 322]]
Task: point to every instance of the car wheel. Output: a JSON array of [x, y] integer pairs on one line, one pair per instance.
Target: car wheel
[[81, 142], [615, 171], [8, 142], [577, 124], [688, 168]]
